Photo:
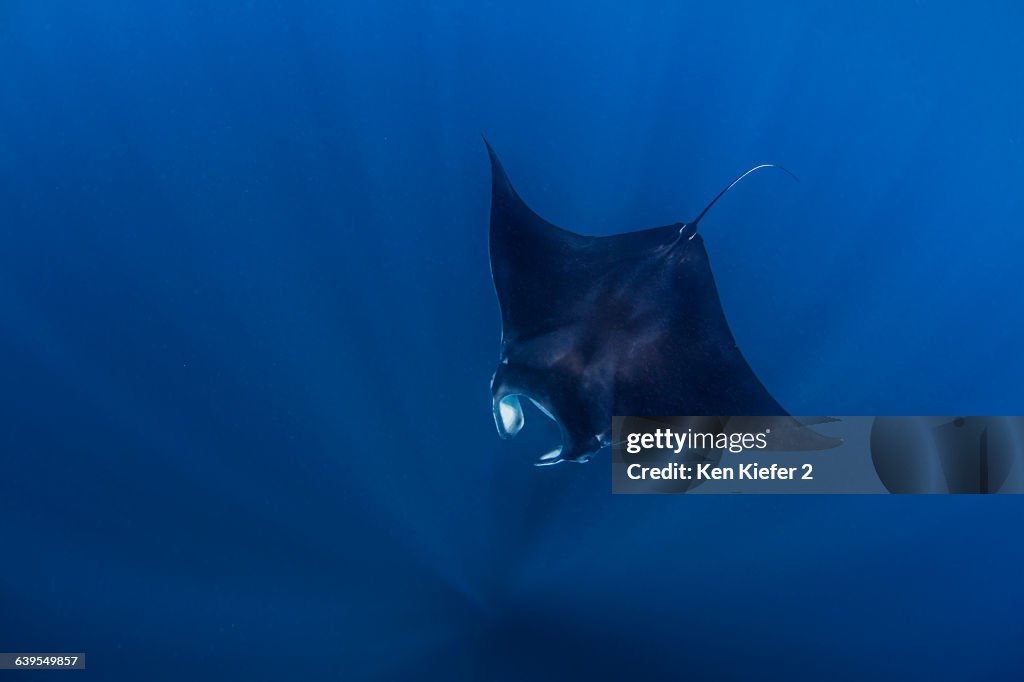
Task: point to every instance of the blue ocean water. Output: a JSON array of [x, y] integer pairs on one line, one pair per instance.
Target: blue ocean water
[[248, 328]]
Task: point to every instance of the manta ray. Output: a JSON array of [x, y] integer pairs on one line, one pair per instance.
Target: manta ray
[[628, 324]]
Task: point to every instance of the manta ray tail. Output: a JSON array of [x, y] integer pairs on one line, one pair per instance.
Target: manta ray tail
[[690, 229]]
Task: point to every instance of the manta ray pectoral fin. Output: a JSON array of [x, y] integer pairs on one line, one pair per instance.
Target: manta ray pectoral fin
[[617, 325]]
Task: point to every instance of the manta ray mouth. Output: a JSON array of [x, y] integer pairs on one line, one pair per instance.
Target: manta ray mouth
[[509, 419]]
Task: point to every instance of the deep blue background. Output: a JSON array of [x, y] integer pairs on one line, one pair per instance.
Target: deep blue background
[[248, 328]]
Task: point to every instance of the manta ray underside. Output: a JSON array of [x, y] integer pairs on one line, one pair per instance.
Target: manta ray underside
[[629, 324]]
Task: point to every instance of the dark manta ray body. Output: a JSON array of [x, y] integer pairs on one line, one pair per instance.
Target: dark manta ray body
[[592, 327]]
